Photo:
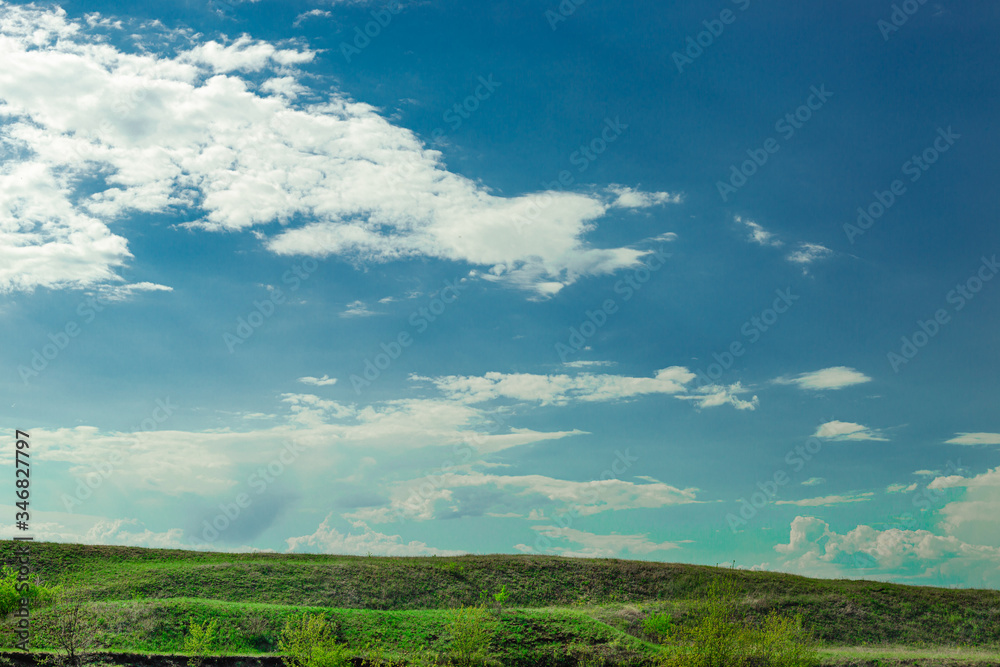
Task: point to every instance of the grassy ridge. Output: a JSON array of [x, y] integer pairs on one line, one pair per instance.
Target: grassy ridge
[[525, 637], [563, 607]]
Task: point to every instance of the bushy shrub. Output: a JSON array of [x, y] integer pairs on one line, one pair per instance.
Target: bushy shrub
[[471, 630], [36, 593], [307, 641], [722, 639], [201, 640], [658, 626]]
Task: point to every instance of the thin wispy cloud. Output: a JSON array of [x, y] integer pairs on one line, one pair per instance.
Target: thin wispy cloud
[[757, 234]]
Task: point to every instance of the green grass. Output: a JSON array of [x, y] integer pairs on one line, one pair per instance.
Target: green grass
[[560, 607]]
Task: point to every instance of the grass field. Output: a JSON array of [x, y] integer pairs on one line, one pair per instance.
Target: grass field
[[560, 611]]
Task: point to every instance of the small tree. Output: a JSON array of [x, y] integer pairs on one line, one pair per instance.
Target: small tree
[[471, 630], [74, 631], [307, 641]]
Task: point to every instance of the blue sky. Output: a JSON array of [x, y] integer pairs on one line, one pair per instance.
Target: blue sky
[[696, 282]]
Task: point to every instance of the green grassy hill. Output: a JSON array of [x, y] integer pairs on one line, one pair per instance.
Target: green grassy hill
[[561, 611]]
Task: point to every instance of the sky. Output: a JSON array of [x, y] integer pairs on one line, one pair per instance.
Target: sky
[[697, 282]]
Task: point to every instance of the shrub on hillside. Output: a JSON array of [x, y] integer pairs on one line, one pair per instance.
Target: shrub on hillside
[[201, 640], [471, 630], [12, 591], [721, 638], [307, 641]]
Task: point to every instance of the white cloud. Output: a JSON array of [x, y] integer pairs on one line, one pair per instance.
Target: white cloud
[[630, 198], [283, 85], [188, 135], [975, 439], [439, 495], [813, 481], [900, 488], [807, 253], [971, 516], [324, 381], [559, 389], [357, 309], [915, 555], [329, 540], [86, 529], [599, 546], [588, 387], [713, 395], [122, 292], [587, 364], [757, 234], [835, 377], [828, 500], [244, 55], [312, 13], [838, 430]]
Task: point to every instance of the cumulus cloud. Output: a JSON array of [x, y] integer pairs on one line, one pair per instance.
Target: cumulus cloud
[[188, 135], [971, 515], [835, 377], [838, 430], [916, 556], [329, 540]]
